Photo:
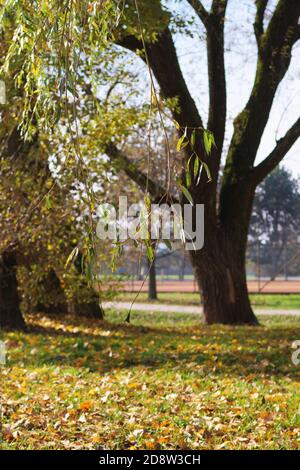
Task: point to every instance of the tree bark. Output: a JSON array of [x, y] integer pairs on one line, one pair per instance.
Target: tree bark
[[221, 276], [182, 267], [87, 305], [90, 309], [220, 267], [10, 314], [152, 291], [57, 302]]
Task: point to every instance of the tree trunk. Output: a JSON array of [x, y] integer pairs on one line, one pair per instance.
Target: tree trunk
[[182, 267], [87, 302], [56, 300], [152, 291], [10, 314], [221, 275], [89, 309]]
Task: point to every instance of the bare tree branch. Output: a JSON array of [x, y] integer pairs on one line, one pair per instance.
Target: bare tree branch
[[261, 6], [164, 63], [216, 79], [156, 191], [274, 56], [283, 146]]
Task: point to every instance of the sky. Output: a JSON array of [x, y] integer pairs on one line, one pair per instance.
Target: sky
[[240, 60]]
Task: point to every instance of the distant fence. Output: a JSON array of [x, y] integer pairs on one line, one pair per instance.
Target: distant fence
[[262, 286]]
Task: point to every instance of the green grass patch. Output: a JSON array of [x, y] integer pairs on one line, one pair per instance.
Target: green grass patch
[[259, 301]]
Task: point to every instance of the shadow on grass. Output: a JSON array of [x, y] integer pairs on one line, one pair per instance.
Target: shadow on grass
[[102, 347]]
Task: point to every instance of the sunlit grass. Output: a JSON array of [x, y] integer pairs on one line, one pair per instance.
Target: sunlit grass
[[259, 301]]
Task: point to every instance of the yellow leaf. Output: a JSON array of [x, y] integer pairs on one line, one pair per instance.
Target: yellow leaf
[[149, 445], [86, 405]]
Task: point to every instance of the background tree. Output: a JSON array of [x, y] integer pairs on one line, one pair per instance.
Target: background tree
[[275, 219]]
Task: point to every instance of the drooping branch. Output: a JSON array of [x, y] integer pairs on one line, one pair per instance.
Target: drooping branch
[[283, 146]]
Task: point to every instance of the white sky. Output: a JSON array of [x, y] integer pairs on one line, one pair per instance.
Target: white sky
[[240, 69]]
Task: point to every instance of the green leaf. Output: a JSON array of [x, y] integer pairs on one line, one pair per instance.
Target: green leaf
[[150, 254], [177, 125], [72, 256], [188, 179], [147, 201], [180, 143], [193, 138], [188, 162], [209, 141], [196, 166], [207, 171], [48, 201], [187, 194]]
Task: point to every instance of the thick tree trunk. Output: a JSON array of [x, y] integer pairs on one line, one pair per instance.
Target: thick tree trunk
[[87, 303], [56, 302], [220, 272], [10, 314], [152, 291]]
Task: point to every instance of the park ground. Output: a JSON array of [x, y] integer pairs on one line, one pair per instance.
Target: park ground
[[165, 381], [259, 301]]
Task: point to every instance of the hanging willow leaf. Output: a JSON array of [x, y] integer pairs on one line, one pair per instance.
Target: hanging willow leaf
[[147, 201], [187, 194], [150, 254], [207, 171], [180, 143], [209, 141], [196, 166], [200, 173], [48, 201], [177, 125], [193, 138], [188, 179], [72, 256]]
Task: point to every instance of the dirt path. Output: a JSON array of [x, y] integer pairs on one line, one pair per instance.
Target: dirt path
[[146, 307]]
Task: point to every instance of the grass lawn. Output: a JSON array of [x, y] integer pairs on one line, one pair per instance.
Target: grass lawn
[[162, 382], [259, 301]]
